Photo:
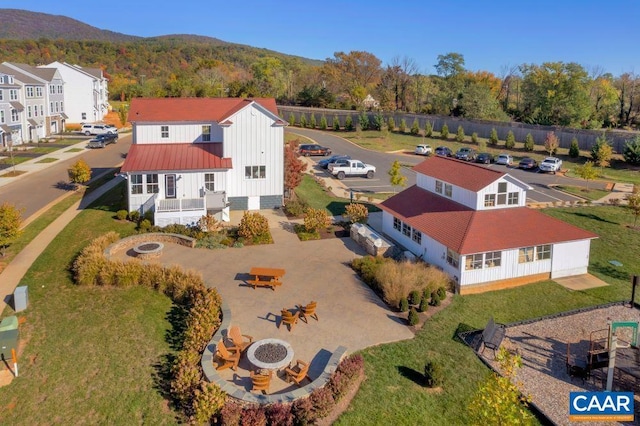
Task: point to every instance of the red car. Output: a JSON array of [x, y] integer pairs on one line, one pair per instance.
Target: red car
[[313, 149]]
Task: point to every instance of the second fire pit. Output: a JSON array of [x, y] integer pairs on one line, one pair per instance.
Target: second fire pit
[[270, 354], [150, 250]]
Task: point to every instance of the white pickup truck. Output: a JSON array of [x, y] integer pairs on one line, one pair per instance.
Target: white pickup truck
[[550, 164], [352, 168]]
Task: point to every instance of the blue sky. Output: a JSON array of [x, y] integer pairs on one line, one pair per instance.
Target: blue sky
[[492, 35]]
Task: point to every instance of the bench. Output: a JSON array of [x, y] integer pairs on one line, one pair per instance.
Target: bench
[[492, 336], [264, 283]]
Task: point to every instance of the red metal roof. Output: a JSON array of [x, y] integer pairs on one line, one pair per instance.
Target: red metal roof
[[466, 175], [191, 109], [467, 231], [174, 157]]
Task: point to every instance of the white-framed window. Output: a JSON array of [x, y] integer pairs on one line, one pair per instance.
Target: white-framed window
[[255, 172], [51, 107], [397, 224], [38, 91], [84, 116], [493, 259], [136, 184], [502, 187], [152, 184], [2, 116], [52, 89], [473, 261], [210, 181], [206, 133], [406, 230], [453, 258], [29, 91], [489, 200], [448, 190], [416, 236], [512, 200], [13, 94], [170, 186], [61, 106], [525, 255], [543, 252], [29, 111], [60, 88], [14, 115], [42, 109], [1, 94], [439, 187], [35, 110], [164, 131]]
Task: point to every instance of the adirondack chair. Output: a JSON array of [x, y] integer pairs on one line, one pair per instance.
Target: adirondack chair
[[229, 357], [260, 381], [239, 340], [298, 372], [308, 311], [289, 319]]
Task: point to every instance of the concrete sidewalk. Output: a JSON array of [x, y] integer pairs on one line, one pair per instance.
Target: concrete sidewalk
[[18, 267]]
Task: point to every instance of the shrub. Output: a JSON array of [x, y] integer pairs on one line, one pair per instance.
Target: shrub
[[144, 226], [378, 122], [295, 207], [403, 126], [80, 172], [493, 137], [336, 123], [391, 124], [428, 129], [302, 409], [574, 149], [254, 226], [231, 414], [186, 377], [352, 366], [356, 213], [208, 223], [279, 414], [424, 304], [208, 401], [348, 123], [413, 317], [323, 122], [367, 267], [444, 132], [442, 293], [292, 119], [482, 145], [415, 127], [322, 401], [303, 120], [121, 214], [316, 219], [254, 416], [433, 374], [414, 297], [398, 279], [460, 134], [474, 138], [404, 305], [312, 121], [510, 142], [529, 143], [435, 299], [134, 216], [631, 151]]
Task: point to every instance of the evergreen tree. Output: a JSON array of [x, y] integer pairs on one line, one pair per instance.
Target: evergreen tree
[[348, 123], [403, 126], [415, 127], [428, 129], [363, 120], [312, 121], [528, 142], [395, 177], [323, 122], [336, 123], [303, 120], [292, 119], [391, 124], [460, 134], [510, 142], [444, 132], [493, 138], [474, 137], [574, 149]]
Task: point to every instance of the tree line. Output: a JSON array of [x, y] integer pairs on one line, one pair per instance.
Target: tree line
[[552, 93]]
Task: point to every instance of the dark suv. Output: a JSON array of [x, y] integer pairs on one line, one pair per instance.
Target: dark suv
[[100, 141], [312, 149]]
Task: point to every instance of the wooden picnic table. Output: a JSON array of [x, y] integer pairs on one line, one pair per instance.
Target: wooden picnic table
[[266, 277]]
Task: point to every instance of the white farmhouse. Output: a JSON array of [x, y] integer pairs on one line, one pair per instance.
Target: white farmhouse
[[86, 93], [472, 222], [193, 156]]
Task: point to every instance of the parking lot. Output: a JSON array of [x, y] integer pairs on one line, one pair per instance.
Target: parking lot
[[542, 183]]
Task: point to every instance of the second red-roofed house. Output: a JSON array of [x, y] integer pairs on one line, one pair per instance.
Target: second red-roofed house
[[197, 156], [472, 222]]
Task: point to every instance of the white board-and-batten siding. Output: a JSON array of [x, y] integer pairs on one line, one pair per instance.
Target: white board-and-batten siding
[[570, 258], [151, 133], [509, 268]]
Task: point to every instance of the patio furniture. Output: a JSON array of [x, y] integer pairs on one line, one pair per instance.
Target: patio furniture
[[239, 340], [308, 311], [229, 357], [492, 336], [266, 277], [298, 372], [260, 381], [289, 319]]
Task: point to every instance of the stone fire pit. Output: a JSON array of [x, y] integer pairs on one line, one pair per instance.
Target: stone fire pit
[[270, 354], [149, 250]]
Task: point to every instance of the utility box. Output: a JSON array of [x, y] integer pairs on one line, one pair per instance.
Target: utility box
[[20, 298], [8, 341], [9, 323]]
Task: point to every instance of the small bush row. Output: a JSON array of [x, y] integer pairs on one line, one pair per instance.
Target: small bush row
[[303, 411]]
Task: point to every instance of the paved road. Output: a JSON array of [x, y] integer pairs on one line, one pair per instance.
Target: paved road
[[36, 190], [538, 181]]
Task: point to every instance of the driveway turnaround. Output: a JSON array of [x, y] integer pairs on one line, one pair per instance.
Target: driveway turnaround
[[350, 313]]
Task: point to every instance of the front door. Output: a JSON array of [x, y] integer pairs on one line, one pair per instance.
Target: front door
[[170, 186]]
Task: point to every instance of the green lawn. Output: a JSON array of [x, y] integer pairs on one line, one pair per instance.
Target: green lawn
[[92, 355], [47, 160], [584, 192], [391, 369], [315, 196]]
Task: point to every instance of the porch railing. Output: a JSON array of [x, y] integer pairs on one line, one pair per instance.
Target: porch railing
[[180, 204]]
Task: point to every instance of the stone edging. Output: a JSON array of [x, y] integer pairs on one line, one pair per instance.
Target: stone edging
[[212, 375], [151, 236]]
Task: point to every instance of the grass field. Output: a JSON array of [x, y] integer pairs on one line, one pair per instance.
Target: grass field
[[315, 196], [590, 194]]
